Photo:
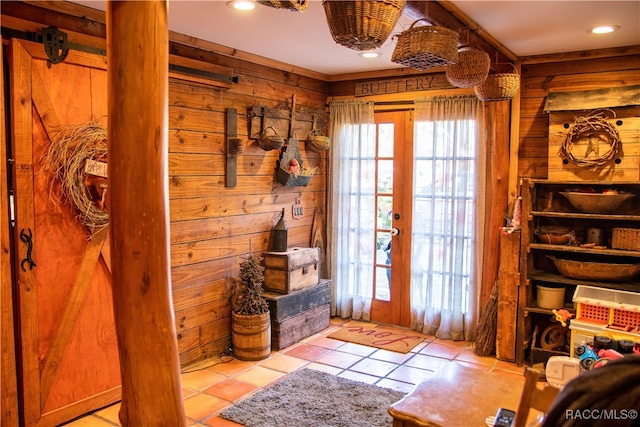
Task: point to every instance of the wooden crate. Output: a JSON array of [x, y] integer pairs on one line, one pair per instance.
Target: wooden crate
[[293, 329], [298, 315], [283, 306], [289, 271]]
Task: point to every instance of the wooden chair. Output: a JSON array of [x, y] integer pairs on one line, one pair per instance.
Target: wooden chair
[[533, 397]]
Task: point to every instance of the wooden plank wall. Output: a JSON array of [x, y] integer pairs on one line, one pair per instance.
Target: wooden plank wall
[[211, 225], [561, 74]]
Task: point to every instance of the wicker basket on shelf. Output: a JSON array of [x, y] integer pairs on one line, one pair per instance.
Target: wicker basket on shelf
[[471, 69], [426, 46], [498, 87], [270, 140], [625, 238], [293, 5], [361, 24]]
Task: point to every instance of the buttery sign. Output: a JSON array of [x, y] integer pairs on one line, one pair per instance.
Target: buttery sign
[[405, 84]]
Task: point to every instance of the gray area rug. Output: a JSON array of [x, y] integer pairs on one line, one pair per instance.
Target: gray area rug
[[309, 398]]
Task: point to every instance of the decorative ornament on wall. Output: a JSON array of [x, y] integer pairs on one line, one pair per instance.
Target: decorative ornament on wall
[[591, 132], [77, 159]]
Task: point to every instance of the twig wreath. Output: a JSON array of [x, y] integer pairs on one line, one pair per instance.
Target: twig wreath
[[70, 151], [593, 126]]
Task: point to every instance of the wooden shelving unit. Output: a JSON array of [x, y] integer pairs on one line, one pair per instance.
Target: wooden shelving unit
[[534, 323]]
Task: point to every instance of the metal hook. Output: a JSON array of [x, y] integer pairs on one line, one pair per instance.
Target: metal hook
[[27, 239]]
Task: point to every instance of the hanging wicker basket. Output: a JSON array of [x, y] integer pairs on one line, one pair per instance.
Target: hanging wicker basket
[[317, 141], [293, 5], [362, 25], [498, 87], [471, 69], [270, 140], [426, 46]]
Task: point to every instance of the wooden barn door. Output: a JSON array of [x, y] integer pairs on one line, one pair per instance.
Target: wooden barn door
[[69, 359]]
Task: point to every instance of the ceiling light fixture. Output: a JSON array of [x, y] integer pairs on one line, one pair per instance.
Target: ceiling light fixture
[[603, 29], [242, 4], [369, 54]]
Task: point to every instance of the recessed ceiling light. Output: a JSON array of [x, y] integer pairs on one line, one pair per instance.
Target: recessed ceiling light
[[369, 54], [242, 4], [603, 29]]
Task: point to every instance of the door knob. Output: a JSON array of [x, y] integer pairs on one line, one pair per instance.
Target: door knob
[[395, 231]]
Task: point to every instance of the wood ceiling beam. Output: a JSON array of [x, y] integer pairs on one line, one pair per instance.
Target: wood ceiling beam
[[445, 14]]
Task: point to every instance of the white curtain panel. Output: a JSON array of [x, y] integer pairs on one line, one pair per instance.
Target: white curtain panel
[[351, 229], [448, 215]]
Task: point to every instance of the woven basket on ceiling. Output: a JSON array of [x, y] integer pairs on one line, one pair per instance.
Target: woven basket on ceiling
[[471, 69], [426, 46], [362, 25], [498, 87], [294, 5]]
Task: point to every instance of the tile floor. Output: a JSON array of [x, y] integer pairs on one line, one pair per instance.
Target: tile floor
[[211, 388]]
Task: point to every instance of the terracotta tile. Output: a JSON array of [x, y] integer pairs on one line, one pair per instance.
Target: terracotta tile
[[357, 376], [323, 341], [201, 405], [110, 413], [339, 359], [441, 350], [338, 321], [307, 352], [422, 361], [333, 370], [259, 376], [358, 349], [467, 355], [89, 421], [283, 363], [391, 356], [410, 375], [187, 392], [473, 365], [419, 347], [230, 390], [231, 368], [395, 385], [216, 421], [378, 368], [199, 380], [452, 343], [509, 366]]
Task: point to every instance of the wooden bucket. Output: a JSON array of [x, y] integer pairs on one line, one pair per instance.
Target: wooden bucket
[[251, 336]]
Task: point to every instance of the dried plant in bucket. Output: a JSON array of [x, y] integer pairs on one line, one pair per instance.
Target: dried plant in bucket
[[247, 295], [69, 158]]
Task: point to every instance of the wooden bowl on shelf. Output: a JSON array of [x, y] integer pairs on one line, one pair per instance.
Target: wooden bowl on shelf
[[596, 271], [602, 203]]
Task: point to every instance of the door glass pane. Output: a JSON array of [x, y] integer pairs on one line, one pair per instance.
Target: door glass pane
[[385, 140], [384, 212], [385, 176], [383, 279]]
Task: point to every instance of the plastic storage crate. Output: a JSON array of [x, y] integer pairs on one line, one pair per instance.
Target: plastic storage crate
[[601, 311]]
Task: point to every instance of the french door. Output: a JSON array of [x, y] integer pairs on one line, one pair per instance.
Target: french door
[[391, 248]]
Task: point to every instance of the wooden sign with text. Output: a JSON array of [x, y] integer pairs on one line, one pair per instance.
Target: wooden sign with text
[[404, 84]]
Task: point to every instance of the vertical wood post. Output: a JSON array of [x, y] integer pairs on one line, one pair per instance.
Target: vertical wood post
[[138, 61]]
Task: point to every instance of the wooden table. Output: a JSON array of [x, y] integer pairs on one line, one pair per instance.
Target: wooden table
[[457, 395]]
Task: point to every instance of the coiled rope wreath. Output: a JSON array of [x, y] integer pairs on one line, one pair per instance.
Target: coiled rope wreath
[[592, 126]]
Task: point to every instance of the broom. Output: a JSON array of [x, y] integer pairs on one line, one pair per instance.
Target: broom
[[486, 330]]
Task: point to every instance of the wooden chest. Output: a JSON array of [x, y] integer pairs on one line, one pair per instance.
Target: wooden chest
[[289, 271], [298, 315]]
